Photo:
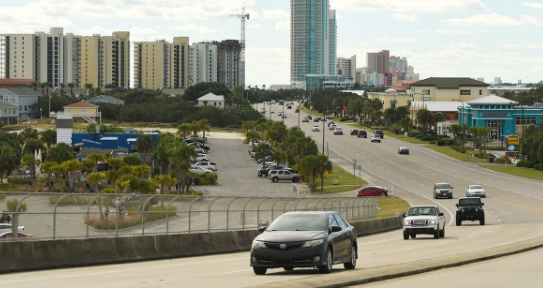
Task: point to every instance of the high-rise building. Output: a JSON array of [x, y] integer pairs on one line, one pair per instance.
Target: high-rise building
[[313, 36], [53, 58], [378, 62], [399, 62], [346, 67], [202, 62], [228, 66], [497, 80], [105, 60], [481, 79]]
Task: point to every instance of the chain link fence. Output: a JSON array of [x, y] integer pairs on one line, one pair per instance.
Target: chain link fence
[[74, 215]]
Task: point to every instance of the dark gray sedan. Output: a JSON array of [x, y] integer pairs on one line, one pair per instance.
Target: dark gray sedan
[[305, 239]]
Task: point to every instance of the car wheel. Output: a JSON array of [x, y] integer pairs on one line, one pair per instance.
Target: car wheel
[[275, 179], [264, 175], [295, 179], [405, 235], [436, 233], [458, 222], [442, 232], [413, 236], [383, 193], [329, 262], [260, 270], [482, 221], [352, 262], [288, 268]]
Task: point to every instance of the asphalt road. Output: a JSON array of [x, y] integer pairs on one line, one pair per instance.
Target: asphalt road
[[514, 212]]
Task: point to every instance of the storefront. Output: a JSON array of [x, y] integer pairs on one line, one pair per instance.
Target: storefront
[[503, 116]]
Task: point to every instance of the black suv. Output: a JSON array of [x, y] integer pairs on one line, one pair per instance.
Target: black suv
[[263, 172], [381, 134], [470, 209], [362, 134]]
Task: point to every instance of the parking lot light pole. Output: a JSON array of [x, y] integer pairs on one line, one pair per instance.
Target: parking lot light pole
[[41, 116], [463, 127]]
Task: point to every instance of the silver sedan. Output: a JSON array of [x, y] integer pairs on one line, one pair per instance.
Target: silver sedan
[[476, 190]]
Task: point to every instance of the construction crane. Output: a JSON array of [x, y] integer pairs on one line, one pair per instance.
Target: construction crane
[[242, 16]]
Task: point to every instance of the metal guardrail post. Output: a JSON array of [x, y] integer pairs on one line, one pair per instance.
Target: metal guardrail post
[[228, 213], [88, 215], [296, 206], [244, 216], [190, 211], [258, 212], [143, 212], [209, 214], [15, 221], [168, 214], [55, 215], [273, 207]]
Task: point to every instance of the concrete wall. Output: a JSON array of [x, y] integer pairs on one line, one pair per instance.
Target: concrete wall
[[38, 255]]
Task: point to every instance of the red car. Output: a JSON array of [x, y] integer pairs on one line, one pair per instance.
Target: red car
[[373, 191], [354, 131]]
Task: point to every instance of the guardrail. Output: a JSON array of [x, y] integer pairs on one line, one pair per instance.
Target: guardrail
[[75, 215]]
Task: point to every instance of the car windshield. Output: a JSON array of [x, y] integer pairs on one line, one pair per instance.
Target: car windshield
[[414, 211], [469, 201], [303, 222], [443, 186], [476, 187]]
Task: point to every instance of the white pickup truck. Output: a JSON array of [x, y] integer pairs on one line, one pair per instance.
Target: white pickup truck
[[423, 219]]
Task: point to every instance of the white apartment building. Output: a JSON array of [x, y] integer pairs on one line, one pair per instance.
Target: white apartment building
[[202, 62], [346, 67]]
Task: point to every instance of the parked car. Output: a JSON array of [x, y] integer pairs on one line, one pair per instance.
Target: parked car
[[289, 107], [283, 174], [207, 165], [373, 191], [305, 119], [315, 128], [8, 236], [354, 132], [264, 171], [132, 200], [381, 134], [7, 228], [338, 131], [200, 157], [403, 150], [423, 219], [272, 111], [199, 170], [267, 159], [284, 116], [362, 134], [471, 209], [305, 239], [443, 190], [375, 138], [476, 190]]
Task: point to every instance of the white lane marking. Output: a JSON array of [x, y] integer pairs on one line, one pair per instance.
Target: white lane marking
[[234, 272], [377, 242], [403, 249]]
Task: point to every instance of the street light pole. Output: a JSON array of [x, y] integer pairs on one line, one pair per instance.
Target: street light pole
[[41, 116], [463, 126], [323, 128]]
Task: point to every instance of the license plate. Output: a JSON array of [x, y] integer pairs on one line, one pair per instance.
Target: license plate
[[444, 194]]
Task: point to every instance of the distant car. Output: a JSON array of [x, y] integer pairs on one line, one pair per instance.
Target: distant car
[[476, 190], [283, 174], [310, 239], [381, 134], [284, 116], [305, 119], [362, 134], [316, 128], [317, 119], [199, 170], [263, 172], [132, 200], [7, 228], [280, 114], [289, 107], [470, 208], [266, 159], [207, 165], [297, 111], [338, 131], [272, 111], [8, 236], [332, 127], [354, 132], [373, 191], [403, 150], [309, 117], [423, 219], [200, 157], [443, 190], [375, 138], [331, 123]]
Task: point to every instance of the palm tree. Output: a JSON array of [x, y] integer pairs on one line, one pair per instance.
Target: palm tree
[[30, 161], [49, 137], [47, 167], [62, 86], [248, 125], [425, 118], [33, 145], [115, 163], [184, 129], [251, 137], [95, 157], [60, 153], [58, 170], [34, 85], [9, 160], [43, 85], [204, 126], [71, 86], [165, 181], [94, 179], [141, 170], [145, 145], [72, 166]]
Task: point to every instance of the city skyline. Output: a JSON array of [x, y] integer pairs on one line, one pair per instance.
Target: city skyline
[[461, 38]]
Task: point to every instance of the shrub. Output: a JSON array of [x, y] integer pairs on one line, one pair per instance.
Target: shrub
[[440, 142], [130, 219], [529, 164], [414, 133], [520, 163], [70, 199], [17, 180], [346, 119], [503, 160], [539, 166], [210, 179], [428, 138], [433, 142], [495, 148]]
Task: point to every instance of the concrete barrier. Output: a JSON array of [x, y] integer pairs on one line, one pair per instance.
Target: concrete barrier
[[39, 255]]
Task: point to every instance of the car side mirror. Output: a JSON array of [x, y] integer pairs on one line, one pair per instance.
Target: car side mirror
[[440, 214], [261, 229], [482, 204], [336, 229], [404, 215], [457, 205], [452, 187]]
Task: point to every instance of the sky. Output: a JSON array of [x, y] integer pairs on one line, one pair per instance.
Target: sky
[[439, 38]]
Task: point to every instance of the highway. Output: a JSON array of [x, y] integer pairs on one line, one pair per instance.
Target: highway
[[514, 213]]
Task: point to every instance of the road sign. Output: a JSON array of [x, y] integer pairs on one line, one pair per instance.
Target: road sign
[[354, 164]]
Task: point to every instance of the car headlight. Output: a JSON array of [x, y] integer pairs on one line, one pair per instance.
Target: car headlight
[[462, 210], [406, 223], [258, 244], [313, 243], [433, 222], [476, 209]]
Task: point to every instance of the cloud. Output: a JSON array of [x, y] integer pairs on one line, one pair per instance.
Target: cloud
[[533, 5], [461, 46], [394, 40], [193, 27], [493, 19], [510, 46], [142, 30], [536, 45], [275, 14], [282, 25], [254, 25], [404, 17], [412, 6], [437, 31]]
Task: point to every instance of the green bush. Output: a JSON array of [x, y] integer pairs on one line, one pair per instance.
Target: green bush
[[17, 180], [207, 179], [428, 138], [440, 142], [503, 160], [520, 163], [131, 219], [432, 142], [539, 166], [459, 149], [495, 148], [529, 164], [414, 133], [346, 119], [70, 199]]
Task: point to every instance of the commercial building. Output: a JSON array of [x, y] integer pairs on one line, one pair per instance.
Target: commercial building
[[313, 37], [105, 60], [160, 64], [378, 62], [346, 67], [391, 98], [448, 89], [319, 82]]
